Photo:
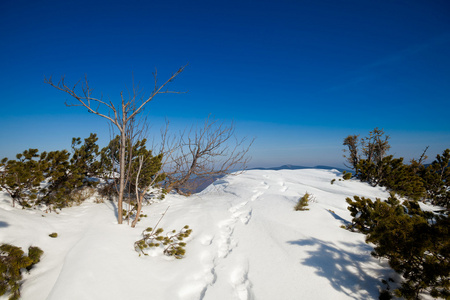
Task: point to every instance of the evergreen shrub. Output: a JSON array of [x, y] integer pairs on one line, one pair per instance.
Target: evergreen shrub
[[12, 262], [303, 202], [52, 179], [368, 158], [347, 175], [416, 243], [172, 243]]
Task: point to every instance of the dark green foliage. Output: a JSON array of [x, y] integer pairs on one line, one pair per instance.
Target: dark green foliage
[[366, 212], [416, 243], [303, 202], [352, 142], [375, 145], [413, 181], [400, 178], [385, 295], [372, 166], [374, 148], [84, 158], [34, 253], [65, 174], [55, 194], [172, 242], [347, 175], [12, 261], [150, 168], [149, 171], [131, 213], [21, 178], [436, 178]]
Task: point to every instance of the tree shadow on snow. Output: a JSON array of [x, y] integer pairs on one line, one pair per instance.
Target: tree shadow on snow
[[114, 208], [355, 273], [344, 221], [3, 224]]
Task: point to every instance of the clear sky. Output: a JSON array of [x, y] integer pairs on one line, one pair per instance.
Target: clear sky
[[298, 75]]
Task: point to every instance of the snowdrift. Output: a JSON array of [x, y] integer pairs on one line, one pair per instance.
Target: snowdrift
[[247, 243]]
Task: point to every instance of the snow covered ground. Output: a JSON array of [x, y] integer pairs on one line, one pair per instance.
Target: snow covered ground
[[247, 243]]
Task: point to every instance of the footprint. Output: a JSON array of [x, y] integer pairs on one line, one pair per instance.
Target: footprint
[[241, 283], [244, 216], [226, 243], [256, 196], [206, 240], [198, 283], [237, 207], [192, 290], [283, 187]]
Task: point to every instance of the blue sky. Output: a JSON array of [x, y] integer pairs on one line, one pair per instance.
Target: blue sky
[[298, 75]]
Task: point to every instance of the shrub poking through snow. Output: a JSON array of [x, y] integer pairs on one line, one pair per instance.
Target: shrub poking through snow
[[303, 202], [172, 242], [333, 180], [416, 243], [53, 235], [347, 175], [34, 253], [65, 175], [12, 261]]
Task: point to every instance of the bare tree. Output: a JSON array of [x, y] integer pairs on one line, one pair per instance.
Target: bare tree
[[119, 116], [203, 154]]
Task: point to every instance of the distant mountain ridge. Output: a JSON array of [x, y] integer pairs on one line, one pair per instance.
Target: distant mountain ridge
[[292, 167], [207, 182]]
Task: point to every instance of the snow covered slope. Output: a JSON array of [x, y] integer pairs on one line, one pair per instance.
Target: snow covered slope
[[247, 243]]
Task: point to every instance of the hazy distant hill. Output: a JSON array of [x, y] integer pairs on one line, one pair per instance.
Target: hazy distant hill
[[292, 167]]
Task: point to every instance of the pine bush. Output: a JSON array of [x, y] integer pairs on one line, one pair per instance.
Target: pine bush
[[12, 261], [436, 179], [21, 178], [172, 243], [416, 243], [149, 173], [347, 175], [303, 202], [65, 175]]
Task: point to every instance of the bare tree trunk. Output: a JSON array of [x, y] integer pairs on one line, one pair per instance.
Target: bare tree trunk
[[129, 110], [139, 207], [139, 196], [122, 176]]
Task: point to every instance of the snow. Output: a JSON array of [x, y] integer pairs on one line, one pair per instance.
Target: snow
[[247, 243]]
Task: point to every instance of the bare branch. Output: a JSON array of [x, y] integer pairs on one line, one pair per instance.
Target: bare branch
[[158, 90], [206, 153], [123, 117], [84, 98]]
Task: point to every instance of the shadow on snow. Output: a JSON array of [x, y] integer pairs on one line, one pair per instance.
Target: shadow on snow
[[344, 221], [355, 273]]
